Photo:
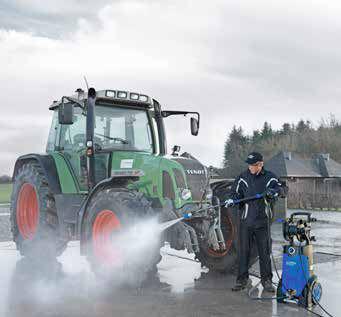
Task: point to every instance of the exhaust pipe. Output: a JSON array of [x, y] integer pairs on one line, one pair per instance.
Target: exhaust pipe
[[90, 127]]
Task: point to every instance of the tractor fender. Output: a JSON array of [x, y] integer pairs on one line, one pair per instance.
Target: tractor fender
[[48, 166], [106, 183], [222, 188]]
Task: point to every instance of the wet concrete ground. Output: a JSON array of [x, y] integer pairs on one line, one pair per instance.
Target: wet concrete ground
[[68, 288]]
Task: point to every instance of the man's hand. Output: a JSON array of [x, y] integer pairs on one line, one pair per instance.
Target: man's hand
[[271, 193], [229, 203]]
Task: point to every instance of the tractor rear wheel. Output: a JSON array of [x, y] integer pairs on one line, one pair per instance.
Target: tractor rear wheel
[[118, 248], [34, 221], [225, 261]]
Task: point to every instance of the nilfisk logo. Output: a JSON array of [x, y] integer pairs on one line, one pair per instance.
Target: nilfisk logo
[[195, 172], [290, 263]]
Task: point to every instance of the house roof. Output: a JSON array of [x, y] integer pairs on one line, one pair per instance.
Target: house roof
[[287, 164]]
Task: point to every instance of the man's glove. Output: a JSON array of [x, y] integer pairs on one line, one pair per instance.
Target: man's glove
[[271, 194], [229, 203]]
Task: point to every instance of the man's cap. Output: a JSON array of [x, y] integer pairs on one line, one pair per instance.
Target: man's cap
[[254, 157]]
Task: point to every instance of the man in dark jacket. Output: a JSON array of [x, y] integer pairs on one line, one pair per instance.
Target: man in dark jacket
[[255, 217]]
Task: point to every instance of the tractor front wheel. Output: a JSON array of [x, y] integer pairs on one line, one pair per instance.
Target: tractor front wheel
[[120, 247]]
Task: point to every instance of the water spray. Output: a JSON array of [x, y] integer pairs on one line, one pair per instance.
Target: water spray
[[165, 225]]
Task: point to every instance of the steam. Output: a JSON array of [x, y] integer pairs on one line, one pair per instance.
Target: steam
[[40, 286], [138, 251]]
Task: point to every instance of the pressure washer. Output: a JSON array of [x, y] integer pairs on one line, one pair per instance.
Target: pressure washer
[[298, 281]]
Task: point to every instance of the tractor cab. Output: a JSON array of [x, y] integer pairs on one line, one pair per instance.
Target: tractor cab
[[122, 121], [121, 126]]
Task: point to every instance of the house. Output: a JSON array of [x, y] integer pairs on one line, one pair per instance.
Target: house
[[313, 182]]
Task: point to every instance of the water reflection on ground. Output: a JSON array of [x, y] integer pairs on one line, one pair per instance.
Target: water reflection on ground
[[67, 287]]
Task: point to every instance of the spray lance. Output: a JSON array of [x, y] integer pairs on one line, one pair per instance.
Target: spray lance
[[227, 203]]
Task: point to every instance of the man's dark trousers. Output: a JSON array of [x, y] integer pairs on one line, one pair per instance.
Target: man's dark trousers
[[260, 233]]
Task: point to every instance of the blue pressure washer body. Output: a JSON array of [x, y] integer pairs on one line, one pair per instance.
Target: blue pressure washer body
[[298, 280]]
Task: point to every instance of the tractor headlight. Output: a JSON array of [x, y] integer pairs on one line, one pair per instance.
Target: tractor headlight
[[143, 98], [134, 96], [110, 93], [122, 94], [186, 194]]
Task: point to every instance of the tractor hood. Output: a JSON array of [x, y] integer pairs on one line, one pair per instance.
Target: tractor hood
[[163, 177], [196, 175]]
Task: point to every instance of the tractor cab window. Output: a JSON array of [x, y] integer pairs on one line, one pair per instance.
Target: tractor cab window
[[52, 139], [73, 136], [115, 128], [156, 134], [72, 143], [123, 129]]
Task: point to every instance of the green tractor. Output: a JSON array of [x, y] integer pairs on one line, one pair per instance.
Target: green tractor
[[106, 168]]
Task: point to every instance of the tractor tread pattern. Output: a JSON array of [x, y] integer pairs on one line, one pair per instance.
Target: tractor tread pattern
[[32, 173]]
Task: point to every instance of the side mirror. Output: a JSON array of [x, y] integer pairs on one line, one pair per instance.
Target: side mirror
[[65, 113], [194, 126]]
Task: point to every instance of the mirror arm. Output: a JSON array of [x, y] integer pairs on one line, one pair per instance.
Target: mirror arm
[[81, 104], [167, 113]]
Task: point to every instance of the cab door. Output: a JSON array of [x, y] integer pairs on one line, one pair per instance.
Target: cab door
[[72, 144]]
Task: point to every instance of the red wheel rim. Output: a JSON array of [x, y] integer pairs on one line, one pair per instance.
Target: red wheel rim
[[105, 225], [228, 241], [27, 211]]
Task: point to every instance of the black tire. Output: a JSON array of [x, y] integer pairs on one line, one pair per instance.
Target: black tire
[[225, 262], [38, 235], [308, 299], [126, 208], [305, 298]]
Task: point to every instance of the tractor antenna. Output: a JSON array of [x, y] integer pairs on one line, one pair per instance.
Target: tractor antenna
[[86, 82]]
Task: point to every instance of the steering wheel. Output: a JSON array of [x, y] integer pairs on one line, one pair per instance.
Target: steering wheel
[[79, 141], [123, 141]]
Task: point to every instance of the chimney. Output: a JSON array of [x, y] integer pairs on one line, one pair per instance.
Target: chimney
[[287, 155], [322, 160]]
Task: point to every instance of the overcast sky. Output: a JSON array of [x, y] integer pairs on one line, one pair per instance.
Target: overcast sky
[[236, 62]]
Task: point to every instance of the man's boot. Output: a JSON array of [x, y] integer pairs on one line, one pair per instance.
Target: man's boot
[[268, 286], [242, 284]]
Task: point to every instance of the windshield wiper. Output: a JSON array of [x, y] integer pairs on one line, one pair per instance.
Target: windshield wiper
[[123, 141]]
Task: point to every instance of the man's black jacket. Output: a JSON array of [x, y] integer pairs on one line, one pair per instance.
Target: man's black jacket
[[255, 212]]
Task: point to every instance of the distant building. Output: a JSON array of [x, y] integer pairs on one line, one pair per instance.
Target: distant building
[[313, 183]]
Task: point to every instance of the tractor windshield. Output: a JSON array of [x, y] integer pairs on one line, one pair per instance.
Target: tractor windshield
[[123, 128], [116, 128]]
